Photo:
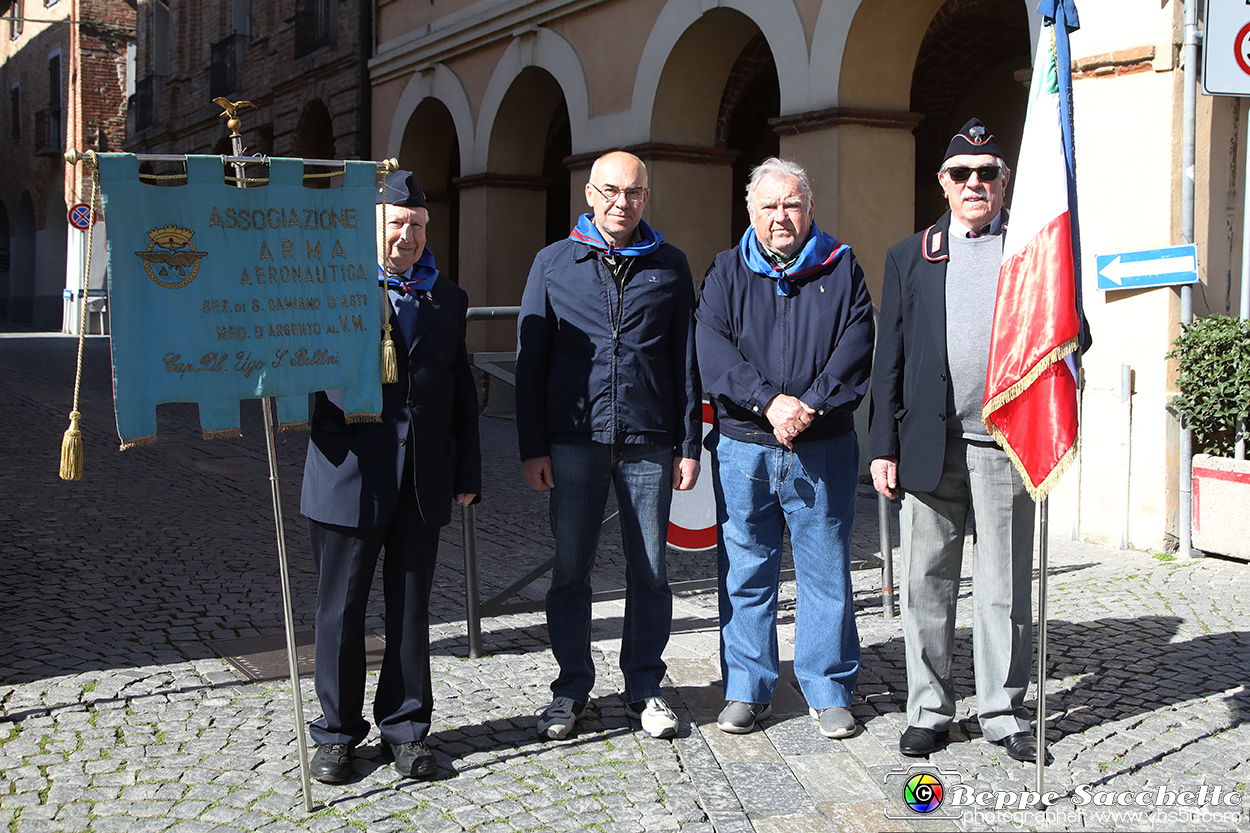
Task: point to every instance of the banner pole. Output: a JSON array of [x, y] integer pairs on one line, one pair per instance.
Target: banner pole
[[266, 405], [1043, 532]]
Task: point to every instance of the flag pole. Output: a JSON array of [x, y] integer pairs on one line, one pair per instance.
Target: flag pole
[[231, 115], [1044, 518]]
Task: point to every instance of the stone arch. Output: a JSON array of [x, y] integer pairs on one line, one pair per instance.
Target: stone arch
[[780, 23], [314, 139], [442, 84], [523, 137], [700, 86], [430, 148], [22, 261], [542, 49], [967, 66]]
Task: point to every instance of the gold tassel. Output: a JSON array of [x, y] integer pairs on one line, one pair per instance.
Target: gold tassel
[[71, 449], [390, 364]]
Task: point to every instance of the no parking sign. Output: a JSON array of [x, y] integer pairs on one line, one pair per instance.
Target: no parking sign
[[1226, 48]]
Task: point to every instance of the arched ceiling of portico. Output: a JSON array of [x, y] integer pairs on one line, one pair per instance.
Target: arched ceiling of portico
[[544, 49], [880, 53], [439, 83], [701, 62]]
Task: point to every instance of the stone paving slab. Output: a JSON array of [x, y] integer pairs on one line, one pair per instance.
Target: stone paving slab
[[115, 714]]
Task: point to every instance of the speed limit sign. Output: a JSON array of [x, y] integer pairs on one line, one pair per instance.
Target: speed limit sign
[[1226, 48]]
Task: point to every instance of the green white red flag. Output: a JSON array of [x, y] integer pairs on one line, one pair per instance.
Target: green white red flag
[[1031, 387]]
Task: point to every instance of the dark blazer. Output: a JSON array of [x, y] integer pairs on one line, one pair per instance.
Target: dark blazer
[[353, 472], [909, 376], [907, 418]]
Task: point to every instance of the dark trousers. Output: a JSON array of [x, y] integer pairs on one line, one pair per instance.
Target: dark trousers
[[345, 558]]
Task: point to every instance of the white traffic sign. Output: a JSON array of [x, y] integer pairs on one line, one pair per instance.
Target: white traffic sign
[[692, 519], [1148, 267], [1226, 48]]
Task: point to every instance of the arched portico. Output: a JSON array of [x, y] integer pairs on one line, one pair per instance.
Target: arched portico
[[430, 148]]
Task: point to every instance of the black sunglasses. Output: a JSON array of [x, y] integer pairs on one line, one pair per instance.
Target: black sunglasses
[[985, 173]]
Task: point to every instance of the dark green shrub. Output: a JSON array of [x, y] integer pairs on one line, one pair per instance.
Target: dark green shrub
[[1214, 381]]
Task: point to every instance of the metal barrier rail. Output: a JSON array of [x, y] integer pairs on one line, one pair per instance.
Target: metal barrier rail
[[474, 608]]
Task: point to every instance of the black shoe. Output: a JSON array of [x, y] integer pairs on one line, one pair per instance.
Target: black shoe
[[917, 741], [413, 760], [1022, 746], [332, 762]]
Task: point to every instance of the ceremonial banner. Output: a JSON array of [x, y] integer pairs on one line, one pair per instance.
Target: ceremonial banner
[[1030, 390], [219, 293]]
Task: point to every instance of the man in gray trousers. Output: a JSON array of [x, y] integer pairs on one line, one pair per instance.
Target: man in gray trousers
[[928, 442]]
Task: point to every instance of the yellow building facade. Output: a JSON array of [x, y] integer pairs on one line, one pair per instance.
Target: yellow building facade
[[500, 106]]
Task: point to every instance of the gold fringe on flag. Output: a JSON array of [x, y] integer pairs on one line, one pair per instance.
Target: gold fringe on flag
[[223, 434], [138, 442], [71, 443], [354, 419], [302, 425]]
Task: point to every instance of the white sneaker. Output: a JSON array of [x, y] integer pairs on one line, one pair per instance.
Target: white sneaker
[[657, 718], [558, 719]]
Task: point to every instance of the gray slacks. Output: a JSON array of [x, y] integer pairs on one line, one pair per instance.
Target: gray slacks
[[980, 477]]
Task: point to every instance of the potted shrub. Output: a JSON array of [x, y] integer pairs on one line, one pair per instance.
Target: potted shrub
[[1213, 356]]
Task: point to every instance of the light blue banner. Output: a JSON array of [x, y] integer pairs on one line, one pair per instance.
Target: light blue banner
[[218, 293]]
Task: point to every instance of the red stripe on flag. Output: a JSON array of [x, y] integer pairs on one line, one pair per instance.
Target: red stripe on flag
[[1031, 398]]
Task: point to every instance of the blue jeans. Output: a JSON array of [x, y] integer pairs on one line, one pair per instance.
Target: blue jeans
[[811, 489], [643, 484]]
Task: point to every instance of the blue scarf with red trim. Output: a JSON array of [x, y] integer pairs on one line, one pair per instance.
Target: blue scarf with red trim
[[587, 232], [819, 251], [423, 275]]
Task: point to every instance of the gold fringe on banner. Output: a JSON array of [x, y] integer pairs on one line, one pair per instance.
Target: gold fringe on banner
[[138, 442], [353, 419], [223, 434], [293, 426], [71, 443]]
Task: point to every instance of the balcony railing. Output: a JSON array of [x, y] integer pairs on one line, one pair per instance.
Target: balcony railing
[[49, 138], [145, 104], [227, 65]]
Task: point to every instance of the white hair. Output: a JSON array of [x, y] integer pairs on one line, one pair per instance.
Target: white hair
[[783, 168]]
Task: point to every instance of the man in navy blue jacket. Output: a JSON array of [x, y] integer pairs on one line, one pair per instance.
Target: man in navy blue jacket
[[784, 333], [607, 393], [390, 485]]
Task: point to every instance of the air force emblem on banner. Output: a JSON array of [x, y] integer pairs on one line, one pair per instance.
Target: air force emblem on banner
[[171, 260]]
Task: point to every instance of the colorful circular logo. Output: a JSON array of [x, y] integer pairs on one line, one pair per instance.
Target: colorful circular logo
[[923, 793]]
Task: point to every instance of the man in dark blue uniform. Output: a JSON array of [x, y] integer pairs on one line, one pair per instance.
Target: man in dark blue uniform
[[370, 486]]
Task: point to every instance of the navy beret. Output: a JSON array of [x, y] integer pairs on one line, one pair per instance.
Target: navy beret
[[399, 188], [972, 139]]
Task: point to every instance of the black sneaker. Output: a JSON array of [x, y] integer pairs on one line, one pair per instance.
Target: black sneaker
[[332, 762], [413, 760]]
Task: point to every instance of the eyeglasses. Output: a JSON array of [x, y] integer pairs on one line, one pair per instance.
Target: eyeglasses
[[961, 173], [634, 196]]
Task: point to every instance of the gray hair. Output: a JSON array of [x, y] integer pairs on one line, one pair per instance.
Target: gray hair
[[783, 168]]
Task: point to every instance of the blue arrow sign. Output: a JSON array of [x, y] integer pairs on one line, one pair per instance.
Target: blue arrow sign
[[1149, 267]]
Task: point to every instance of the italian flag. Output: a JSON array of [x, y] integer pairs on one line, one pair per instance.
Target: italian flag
[[1031, 387]]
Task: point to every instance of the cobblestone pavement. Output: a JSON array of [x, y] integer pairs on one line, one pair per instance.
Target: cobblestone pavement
[[116, 714]]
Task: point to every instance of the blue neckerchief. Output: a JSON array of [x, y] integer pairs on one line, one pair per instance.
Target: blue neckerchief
[[423, 275], [819, 251], [586, 232]]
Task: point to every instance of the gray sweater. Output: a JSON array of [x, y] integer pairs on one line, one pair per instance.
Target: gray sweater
[[971, 286]]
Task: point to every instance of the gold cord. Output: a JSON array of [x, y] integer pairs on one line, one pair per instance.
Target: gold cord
[[71, 443]]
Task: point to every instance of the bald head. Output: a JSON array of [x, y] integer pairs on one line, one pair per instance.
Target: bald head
[[617, 192]]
